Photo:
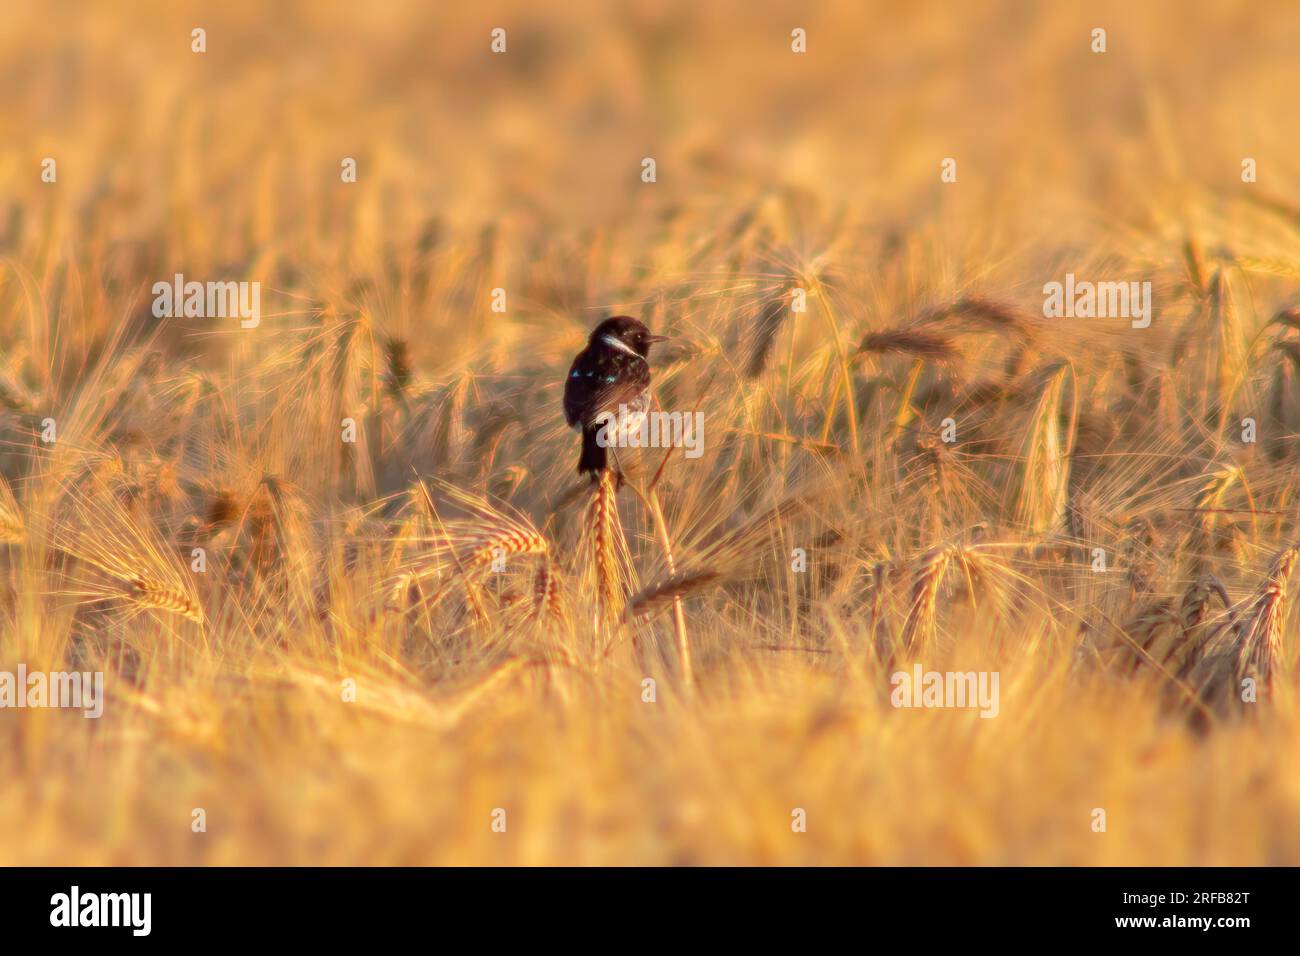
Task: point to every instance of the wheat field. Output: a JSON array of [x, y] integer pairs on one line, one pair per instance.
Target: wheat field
[[351, 601]]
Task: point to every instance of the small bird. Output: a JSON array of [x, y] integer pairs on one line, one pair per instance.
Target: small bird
[[612, 371]]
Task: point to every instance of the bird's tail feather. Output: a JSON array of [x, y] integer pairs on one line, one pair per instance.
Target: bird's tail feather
[[593, 453]]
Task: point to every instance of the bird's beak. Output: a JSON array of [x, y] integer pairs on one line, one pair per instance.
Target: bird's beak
[[658, 338]]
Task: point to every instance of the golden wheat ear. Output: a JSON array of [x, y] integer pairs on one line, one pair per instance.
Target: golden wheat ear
[[977, 313], [926, 345], [918, 627], [609, 563], [661, 593], [127, 557], [549, 609], [730, 557], [463, 549], [1249, 645], [155, 595]]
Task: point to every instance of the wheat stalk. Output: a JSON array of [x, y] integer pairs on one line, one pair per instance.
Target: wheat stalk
[[12, 527]]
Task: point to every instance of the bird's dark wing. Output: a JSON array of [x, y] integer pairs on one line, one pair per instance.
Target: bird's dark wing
[[630, 382], [577, 391], [602, 383]]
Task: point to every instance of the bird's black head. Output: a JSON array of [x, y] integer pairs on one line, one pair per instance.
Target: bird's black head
[[627, 332]]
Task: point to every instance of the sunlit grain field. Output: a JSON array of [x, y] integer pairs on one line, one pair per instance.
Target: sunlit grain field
[[351, 601]]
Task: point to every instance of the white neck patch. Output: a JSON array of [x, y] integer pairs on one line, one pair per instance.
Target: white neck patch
[[619, 344]]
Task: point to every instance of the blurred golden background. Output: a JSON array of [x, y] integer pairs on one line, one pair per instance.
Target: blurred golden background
[[522, 171]]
